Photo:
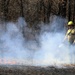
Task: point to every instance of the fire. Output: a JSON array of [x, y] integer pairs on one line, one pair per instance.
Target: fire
[[9, 62]]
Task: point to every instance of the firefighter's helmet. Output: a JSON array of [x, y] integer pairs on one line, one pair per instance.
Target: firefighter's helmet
[[70, 23]]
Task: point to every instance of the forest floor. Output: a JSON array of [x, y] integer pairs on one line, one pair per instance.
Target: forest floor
[[35, 70]]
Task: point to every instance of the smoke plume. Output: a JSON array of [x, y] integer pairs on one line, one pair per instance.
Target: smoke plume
[[20, 44]]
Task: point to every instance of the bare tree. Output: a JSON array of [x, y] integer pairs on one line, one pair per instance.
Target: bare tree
[[74, 12], [35, 11], [5, 4], [62, 8]]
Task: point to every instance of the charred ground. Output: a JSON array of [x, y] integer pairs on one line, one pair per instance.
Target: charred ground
[[32, 70]]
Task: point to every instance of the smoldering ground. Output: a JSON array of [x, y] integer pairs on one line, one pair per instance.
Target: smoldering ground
[[20, 44]]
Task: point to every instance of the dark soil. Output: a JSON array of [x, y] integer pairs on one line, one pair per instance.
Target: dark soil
[[31, 70]]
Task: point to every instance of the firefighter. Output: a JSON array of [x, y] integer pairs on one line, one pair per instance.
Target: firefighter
[[70, 37]]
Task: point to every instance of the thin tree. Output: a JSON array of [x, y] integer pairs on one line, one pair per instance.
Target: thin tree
[[22, 13], [5, 5], [74, 12], [20, 3], [62, 8], [69, 10], [5, 8]]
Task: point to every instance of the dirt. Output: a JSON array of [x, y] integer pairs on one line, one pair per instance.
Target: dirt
[[32, 70]]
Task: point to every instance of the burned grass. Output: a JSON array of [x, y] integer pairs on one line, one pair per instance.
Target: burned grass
[[32, 70]]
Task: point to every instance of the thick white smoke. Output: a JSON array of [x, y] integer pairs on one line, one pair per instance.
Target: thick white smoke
[[15, 47]]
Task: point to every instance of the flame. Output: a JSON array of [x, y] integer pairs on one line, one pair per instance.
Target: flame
[[9, 62]]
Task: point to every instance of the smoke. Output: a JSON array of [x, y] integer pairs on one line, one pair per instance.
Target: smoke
[[51, 37], [20, 44], [17, 43]]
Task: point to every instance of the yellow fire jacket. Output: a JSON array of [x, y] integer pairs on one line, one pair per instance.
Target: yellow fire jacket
[[70, 35]]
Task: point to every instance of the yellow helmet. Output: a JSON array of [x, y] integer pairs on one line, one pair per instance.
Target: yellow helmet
[[70, 23]]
